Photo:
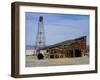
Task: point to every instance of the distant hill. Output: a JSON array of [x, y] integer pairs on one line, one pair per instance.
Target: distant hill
[[30, 47]]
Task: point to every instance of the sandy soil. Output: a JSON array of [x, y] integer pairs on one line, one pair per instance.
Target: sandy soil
[[32, 61]]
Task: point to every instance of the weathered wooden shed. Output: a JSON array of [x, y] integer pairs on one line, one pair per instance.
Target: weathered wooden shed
[[69, 48]]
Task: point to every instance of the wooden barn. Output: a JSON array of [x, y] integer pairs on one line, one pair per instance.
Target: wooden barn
[[69, 48]]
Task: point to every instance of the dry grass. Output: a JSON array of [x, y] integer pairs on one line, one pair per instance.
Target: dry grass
[[32, 61]]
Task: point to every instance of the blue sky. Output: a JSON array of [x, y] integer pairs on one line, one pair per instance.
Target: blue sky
[[58, 27]]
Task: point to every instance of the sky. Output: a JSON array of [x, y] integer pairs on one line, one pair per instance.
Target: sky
[[57, 27]]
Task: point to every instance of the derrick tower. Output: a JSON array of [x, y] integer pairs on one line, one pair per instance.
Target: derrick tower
[[40, 38]]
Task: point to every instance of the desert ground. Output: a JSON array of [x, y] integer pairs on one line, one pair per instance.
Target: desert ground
[[32, 61]]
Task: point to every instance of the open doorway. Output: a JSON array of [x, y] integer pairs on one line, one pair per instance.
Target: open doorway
[[78, 53]]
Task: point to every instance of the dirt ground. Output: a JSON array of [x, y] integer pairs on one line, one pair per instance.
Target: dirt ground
[[32, 61]]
